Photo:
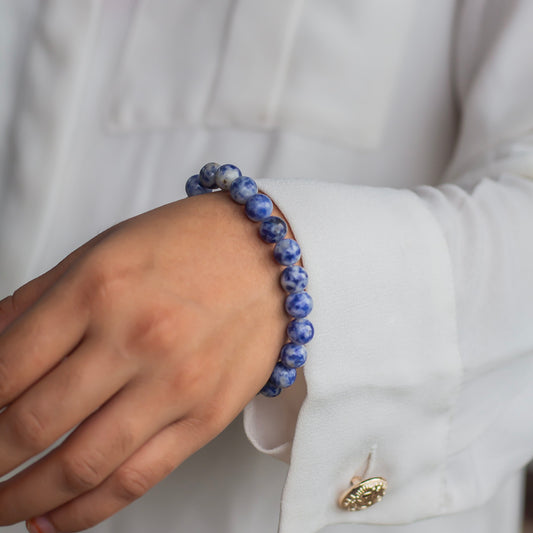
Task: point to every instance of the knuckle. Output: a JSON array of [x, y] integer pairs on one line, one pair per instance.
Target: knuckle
[[191, 378], [29, 430], [102, 279], [82, 473], [209, 419], [154, 331], [213, 420], [131, 484]]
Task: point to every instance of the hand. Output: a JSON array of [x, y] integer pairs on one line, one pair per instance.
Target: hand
[[152, 337]]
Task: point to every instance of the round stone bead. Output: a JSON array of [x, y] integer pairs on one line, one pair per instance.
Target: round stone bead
[[193, 187], [242, 189], [258, 207], [207, 175], [282, 376], [300, 330], [298, 304], [272, 229], [294, 279], [293, 355], [287, 252], [226, 175], [270, 390]]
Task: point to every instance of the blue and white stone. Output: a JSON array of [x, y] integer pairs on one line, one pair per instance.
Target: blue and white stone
[[193, 187], [300, 330], [294, 279], [282, 376], [226, 175], [258, 207], [208, 174], [293, 355], [287, 252], [242, 189], [272, 230], [298, 304], [270, 390]]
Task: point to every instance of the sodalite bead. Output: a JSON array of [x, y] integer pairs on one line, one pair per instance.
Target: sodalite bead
[[300, 330], [293, 355], [272, 230], [258, 207], [226, 175], [270, 390], [242, 189], [193, 187], [294, 279], [207, 175], [299, 304], [282, 376], [287, 252]]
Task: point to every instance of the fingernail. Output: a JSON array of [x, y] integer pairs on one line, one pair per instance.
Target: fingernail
[[40, 525]]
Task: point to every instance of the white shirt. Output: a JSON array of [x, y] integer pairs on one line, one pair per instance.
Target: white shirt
[[396, 137]]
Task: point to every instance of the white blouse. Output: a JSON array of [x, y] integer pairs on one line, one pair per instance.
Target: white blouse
[[397, 138]]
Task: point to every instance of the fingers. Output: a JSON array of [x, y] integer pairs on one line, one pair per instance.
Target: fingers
[[93, 452], [13, 306], [24, 297], [149, 465], [61, 400], [38, 340]]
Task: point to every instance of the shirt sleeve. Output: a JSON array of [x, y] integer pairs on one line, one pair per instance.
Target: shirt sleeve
[[422, 363]]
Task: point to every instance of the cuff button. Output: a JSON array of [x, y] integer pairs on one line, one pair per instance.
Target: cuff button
[[363, 494]]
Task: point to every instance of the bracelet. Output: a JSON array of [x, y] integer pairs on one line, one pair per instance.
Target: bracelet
[[293, 279]]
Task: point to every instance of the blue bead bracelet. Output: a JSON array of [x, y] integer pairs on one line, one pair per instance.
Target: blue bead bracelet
[[272, 230]]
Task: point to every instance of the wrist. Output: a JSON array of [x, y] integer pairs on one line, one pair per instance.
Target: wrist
[[275, 231]]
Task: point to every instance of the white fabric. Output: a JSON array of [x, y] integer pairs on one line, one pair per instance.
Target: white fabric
[[412, 204]]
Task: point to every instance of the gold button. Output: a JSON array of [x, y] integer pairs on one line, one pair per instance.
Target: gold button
[[363, 494]]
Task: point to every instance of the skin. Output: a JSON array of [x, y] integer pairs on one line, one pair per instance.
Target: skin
[[152, 337]]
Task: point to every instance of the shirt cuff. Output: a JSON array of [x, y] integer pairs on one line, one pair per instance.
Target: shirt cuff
[[383, 369]]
